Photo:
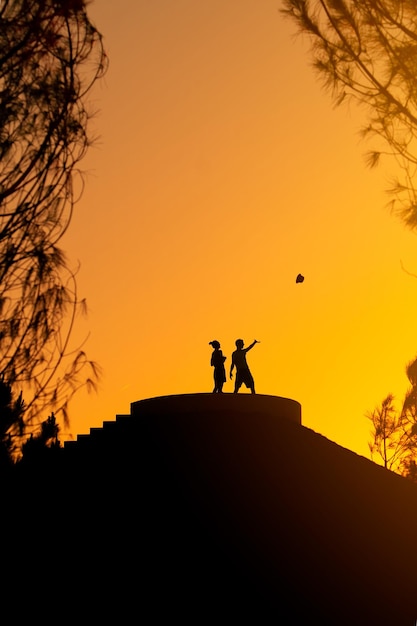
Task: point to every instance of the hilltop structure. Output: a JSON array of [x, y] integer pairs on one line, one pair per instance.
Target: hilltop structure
[[222, 508]]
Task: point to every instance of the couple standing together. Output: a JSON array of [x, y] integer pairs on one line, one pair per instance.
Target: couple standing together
[[243, 373]]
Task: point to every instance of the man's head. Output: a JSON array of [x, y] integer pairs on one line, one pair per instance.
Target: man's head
[[239, 344]]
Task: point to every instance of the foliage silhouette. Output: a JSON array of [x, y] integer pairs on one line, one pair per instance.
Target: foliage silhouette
[[50, 57], [11, 424], [44, 444], [367, 51], [394, 432]]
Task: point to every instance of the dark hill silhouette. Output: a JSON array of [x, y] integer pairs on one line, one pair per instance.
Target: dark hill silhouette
[[224, 508]]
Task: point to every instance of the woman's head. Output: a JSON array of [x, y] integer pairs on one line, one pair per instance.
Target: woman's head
[[215, 344]]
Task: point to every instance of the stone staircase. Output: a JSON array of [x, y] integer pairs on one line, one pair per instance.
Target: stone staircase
[[193, 406]]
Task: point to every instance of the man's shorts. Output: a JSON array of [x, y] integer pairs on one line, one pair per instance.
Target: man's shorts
[[244, 377]]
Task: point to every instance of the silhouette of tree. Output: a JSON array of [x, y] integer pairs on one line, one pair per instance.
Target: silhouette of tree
[[50, 57], [394, 432], [366, 50], [11, 424], [42, 445], [386, 434]]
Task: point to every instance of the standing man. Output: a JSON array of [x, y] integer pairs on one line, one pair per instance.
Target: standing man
[[243, 374]]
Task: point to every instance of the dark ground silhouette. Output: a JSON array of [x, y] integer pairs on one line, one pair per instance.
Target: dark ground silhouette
[[217, 511]]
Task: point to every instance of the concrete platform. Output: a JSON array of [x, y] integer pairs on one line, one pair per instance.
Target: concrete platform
[[218, 403]]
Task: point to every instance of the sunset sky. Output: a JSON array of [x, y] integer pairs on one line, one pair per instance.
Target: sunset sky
[[221, 170]]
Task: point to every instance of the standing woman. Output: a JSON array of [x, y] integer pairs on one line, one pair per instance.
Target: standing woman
[[217, 361]]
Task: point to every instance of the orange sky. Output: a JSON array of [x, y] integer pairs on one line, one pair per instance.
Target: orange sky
[[221, 171]]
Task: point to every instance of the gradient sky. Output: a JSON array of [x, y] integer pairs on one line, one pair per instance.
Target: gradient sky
[[220, 172]]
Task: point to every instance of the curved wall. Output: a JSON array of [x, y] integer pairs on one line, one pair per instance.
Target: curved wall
[[215, 404]]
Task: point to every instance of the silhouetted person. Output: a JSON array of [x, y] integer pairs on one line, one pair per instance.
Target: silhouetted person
[[243, 374], [217, 361]]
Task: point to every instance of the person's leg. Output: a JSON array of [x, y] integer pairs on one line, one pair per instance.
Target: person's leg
[[251, 383], [217, 382]]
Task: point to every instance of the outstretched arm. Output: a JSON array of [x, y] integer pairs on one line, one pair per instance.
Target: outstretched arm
[[251, 345]]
